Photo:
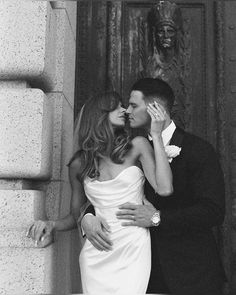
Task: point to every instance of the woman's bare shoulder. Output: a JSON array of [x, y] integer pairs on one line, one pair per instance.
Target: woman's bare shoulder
[[140, 142]]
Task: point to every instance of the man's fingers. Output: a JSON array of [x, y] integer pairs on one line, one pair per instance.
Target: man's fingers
[[105, 238], [128, 206], [106, 244], [130, 217], [100, 243], [124, 212], [97, 245], [105, 225], [129, 223]]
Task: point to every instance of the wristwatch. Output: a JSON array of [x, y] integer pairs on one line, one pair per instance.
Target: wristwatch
[[156, 218]]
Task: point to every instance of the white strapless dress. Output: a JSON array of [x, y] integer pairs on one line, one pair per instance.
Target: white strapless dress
[[126, 268]]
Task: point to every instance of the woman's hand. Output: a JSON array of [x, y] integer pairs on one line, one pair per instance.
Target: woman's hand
[[41, 232], [158, 117]]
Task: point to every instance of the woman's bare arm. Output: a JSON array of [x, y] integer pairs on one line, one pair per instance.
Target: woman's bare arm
[[41, 230]]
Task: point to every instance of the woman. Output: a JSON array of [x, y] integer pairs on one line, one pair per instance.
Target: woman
[[110, 169]]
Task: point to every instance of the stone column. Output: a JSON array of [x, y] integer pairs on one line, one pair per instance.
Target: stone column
[[37, 65]]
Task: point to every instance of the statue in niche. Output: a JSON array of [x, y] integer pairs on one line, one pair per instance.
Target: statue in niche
[[167, 54]]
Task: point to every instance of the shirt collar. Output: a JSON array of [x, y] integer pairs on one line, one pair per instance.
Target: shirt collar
[[166, 133]]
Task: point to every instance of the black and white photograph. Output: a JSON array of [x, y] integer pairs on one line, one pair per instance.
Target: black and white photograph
[[118, 147]]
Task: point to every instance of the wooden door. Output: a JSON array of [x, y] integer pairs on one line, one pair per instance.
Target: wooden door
[[109, 47]]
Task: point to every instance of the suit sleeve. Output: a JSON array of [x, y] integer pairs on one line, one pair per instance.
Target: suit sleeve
[[206, 189], [89, 209]]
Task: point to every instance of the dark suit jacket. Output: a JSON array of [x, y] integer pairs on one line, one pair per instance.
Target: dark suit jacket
[[184, 251], [183, 245]]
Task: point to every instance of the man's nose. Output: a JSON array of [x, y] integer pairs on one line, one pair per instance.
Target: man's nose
[[128, 110]]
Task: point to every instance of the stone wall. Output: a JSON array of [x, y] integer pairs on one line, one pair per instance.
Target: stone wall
[[37, 69]]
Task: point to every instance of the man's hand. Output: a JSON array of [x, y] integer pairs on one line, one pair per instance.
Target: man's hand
[[139, 215], [42, 232], [97, 231]]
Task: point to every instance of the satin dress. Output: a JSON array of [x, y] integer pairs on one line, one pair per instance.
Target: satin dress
[[126, 268]]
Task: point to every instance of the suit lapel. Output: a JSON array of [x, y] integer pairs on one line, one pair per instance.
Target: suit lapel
[[177, 139]]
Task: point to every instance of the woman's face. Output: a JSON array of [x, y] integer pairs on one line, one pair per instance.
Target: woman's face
[[117, 117]]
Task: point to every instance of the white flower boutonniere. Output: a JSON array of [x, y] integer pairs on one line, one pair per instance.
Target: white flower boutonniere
[[172, 151]]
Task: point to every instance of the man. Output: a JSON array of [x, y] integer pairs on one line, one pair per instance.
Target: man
[[185, 259]]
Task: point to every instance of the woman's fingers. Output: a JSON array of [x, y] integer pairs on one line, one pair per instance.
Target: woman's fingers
[[157, 110], [156, 114], [161, 107]]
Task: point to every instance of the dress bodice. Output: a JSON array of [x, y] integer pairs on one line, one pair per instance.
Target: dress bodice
[[127, 186]]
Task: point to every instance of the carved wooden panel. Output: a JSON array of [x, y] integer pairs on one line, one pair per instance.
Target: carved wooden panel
[[109, 54], [194, 102], [91, 57]]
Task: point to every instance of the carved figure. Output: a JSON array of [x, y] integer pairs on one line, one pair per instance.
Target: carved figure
[[168, 54]]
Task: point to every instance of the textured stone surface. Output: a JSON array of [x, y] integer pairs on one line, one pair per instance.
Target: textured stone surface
[[60, 15], [24, 271], [16, 184], [26, 134], [19, 208], [15, 238], [62, 136], [71, 8], [24, 268], [69, 64], [14, 84], [62, 152], [53, 200], [27, 39], [65, 56]]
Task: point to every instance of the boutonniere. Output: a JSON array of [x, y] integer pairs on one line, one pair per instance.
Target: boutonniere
[[172, 151]]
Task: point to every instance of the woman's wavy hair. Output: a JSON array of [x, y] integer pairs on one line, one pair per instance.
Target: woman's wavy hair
[[98, 138]]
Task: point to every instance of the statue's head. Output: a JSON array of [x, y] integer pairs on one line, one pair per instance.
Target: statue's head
[[165, 21]]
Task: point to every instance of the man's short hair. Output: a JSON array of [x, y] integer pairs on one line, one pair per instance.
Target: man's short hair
[[154, 88]]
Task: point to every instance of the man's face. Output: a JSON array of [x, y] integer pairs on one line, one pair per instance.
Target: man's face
[[137, 111], [166, 36]]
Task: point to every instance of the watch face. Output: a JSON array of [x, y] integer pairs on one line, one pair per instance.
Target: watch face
[[155, 219]]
